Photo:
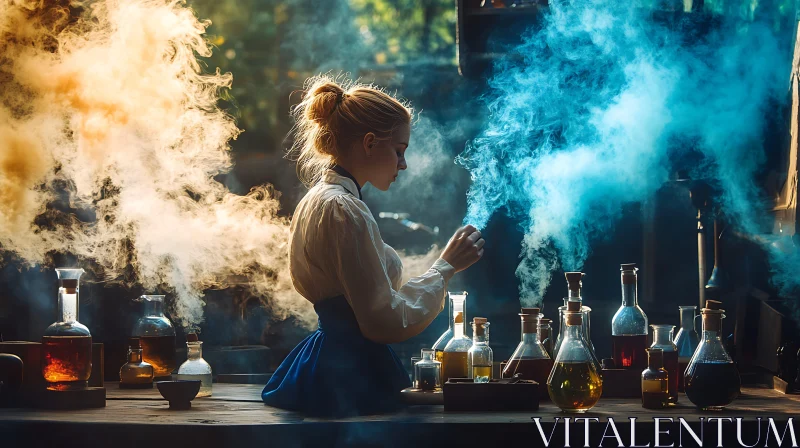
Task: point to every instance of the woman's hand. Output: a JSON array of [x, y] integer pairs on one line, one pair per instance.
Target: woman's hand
[[464, 248]]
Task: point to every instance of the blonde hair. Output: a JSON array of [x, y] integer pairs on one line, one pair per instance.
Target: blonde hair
[[333, 115]]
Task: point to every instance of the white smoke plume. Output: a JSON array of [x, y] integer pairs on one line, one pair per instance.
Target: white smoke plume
[[106, 102]]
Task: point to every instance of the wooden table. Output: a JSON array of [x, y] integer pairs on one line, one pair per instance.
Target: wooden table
[[235, 416]]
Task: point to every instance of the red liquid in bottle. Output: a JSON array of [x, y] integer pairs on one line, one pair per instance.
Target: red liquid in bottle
[[629, 351]]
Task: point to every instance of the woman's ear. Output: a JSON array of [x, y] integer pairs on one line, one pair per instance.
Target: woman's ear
[[369, 143]]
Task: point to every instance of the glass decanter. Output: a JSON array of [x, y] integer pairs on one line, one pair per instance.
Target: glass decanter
[[655, 381], [530, 359], [574, 286], [453, 297], [545, 333], [662, 339], [428, 372], [480, 356], [195, 367], [711, 379], [686, 340], [629, 325], [455, 354], [157, 336], [574, 384], [136, 373], [67, 343]]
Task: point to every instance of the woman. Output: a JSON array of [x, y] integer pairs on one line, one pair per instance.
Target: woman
[[338, 261]]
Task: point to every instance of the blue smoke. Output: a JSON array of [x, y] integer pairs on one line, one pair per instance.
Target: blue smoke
[[591, 111]]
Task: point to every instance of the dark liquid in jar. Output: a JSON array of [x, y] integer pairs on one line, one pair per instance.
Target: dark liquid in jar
[[531, 369], [159, 352], [654, 400], [671, 366], [66, 361], [712, 384], [682, 365], [629, 351]]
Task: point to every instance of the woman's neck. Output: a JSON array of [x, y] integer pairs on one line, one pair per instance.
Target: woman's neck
[[342, 171], [356, 174]]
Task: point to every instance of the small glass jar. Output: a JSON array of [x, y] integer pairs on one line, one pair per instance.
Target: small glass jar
[[195, 367], [662, 338], [655, 381], [480, 356], [428, 371], [136, 373]]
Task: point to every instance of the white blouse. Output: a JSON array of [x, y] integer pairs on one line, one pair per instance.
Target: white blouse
[[336, 249]]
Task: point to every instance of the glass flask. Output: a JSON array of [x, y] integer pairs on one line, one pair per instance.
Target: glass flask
[[67, 343], [711, 379], [662, 338], [530, 360], [574, 286], [629, 325], [686, 340], [655, 381], [157, 336], [454, 356], [428, 372], [136, 373], [480, 356], [574, 383], [455, 300], [544, 331], [195, 367]]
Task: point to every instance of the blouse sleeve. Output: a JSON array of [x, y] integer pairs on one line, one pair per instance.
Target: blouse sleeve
[[384, 315]]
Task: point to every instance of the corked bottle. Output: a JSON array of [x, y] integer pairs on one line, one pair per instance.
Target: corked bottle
[[629, 325], [480, 357], [575, 294], [530, 360]]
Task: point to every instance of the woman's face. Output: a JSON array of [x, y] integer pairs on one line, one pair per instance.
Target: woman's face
[[387, 157]]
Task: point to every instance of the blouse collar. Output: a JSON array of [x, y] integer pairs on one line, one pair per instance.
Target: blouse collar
[[340, 176]]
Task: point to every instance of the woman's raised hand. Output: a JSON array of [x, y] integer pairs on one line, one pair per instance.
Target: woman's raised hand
[[464, 248]]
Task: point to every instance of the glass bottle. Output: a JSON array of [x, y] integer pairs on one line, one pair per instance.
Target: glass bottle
[[456, 300], [530, 360], [544, 331], [574, 383], [574, 287], [629, 325], [67, 343], [136, 373], [157, 336], [655, 380], [454, 356], [662, 338], [712, 380], [480, 356], [428, 372], [195, 367], [686, 340]]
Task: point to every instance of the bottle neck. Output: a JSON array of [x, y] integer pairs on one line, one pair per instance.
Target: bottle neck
[[458, 330], [67, 304], [687, 319], [154, 308], [655, 362], [135, 355], [194, 350], [574, 331], [662, 336], [629, 294], [480, 337], [574, 294]]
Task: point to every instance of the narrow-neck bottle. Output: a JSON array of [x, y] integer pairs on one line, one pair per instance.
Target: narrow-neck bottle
[[480, 356], [712, 379], [629, 325], [157, 336], [655, 381], [574, 294], [455, 354], [662, 339], [530, 360], [455, 300], [195, 367], [136, 373], [686, 340]]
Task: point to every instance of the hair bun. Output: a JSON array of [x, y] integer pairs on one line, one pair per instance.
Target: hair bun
[[323, 99]]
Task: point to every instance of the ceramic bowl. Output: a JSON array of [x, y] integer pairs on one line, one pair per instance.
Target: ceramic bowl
[[179, 393]]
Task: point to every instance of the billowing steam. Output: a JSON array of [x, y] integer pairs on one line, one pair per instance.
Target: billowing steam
[[594, 108], [105, 102]]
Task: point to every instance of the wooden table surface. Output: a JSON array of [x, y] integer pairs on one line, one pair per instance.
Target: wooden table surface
[[235, 412]]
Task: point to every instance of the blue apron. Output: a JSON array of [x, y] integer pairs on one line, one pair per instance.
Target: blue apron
[[336, 371]]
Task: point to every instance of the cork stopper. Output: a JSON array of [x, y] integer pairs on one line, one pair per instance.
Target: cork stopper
[[530, 311], [574, 318], [191, 337], [574, 280], [459, 319], [573, 305], [478, 325], [628, 273], [544, 321], [712, 315], [713, 305], [627, 267], [529, 317]]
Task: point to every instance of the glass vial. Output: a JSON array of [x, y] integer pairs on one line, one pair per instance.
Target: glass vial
[[455, 300], [574, 384], [712, 379], [530, 359], [686, 340], [67, 343], [662, 338], [655, 381], [428, 372], [454, 355], [195, 367], [479, 356], [136, 373], [629, 325], [157, 336]]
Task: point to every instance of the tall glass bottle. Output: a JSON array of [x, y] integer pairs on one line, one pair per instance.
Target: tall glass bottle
[[629, 325], [662, 339], [195, 367], [157, 336], [655, 381], [455, 299], [136, 373], [67, 343], [711, 379], [480, 356], [686, 340], [574, 286], [530, 359], [574, 383], [454, 355]]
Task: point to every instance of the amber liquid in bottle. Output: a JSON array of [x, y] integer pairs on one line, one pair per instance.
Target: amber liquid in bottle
[[531, 369], [671, 366], [629, 351], [482, 374], [159, 351], [67, 361], [454, 365], [575, 386], [652, 395], [439, 355]]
